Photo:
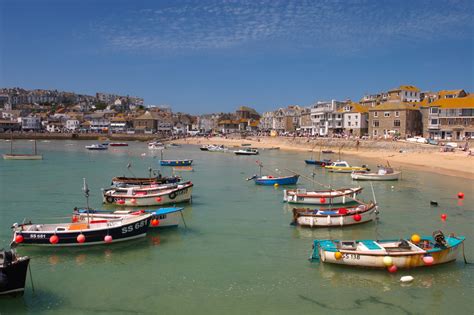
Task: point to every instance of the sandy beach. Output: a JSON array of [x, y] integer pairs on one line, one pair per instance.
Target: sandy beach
[[399, 154]]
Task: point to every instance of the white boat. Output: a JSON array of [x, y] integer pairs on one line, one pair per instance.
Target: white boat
[[393, 253], [247, 151], [344, 167], [217, 148], [156, 145], [97, 147], [138, 197], [321, 197], [356, 214], [383, 173]]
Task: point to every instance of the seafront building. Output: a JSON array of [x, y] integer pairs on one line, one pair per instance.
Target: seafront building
[[355, 119], [395, 119], [327, 117]]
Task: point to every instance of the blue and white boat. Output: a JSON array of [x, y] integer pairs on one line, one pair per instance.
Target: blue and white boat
[[322, 162], [97, 147], [272, 180], [176, 162], [166, 217]]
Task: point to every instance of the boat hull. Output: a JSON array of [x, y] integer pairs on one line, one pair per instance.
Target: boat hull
[[375, 176], [318, 162], [176, 162], [22, 156], [179, 195], [123, 232], [145, 180], [290, 180], [341, 196], [13, 277], [314, 221], [345, 169], [324, 252], [165, 220]]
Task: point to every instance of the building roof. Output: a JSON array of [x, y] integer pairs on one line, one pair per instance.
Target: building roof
[[396, 106], [406, 88], [443, 93], [148, 116], [459, 102], [355, 108]]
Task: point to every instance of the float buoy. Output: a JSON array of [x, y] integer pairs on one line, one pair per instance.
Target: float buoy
[[54, 239], [342, 211], [155, 222], [133, 200], [460, 195], [19, 239], [387, 261], [322, 200], [158, 199], [338, 255], [415, 238], [428, 260], [81, 238], [108, 239], [444, 216], [357, 217], [392, 269]]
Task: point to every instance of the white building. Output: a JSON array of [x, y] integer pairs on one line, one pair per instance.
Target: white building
[[72, 124], [355, 119], [326, 117], [30, 123]]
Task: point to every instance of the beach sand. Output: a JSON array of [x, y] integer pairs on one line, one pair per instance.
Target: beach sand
[[399, 154]]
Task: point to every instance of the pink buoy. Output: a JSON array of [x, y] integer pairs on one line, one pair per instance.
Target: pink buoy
[[444, 216], [392, 269], [322, 200], [428, 260], [81, 238], [54, 239], [121, 201], [19, 239], [133, 200], [108, 239], [357, 217]]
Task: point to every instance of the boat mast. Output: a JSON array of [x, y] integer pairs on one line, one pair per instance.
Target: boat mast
[[11, 143], [86, 194], [35, 147]]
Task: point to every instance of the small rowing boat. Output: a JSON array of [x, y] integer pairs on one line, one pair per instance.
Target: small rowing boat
[[351, 215], [156, 146], [183, 168], [402, 253], [97, 147], [13, 272], [176, 162], [322, 163], [272, 180], [118, 144], [344, 167], [155, 180], [247, 151], [321, 197]]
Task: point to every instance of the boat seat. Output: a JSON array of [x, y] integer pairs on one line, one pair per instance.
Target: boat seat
[[371, 245]]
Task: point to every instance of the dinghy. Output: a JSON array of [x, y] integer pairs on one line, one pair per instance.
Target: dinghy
[[156, 180], [356, 214], [176, 162], [322, 163], [13, 272], [97, 147], [272, 180], [402, 253], [344, 167], [321, 197], [383, 173], [247, 151]]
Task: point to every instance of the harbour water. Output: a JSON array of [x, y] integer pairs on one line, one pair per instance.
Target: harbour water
[[238, 254]]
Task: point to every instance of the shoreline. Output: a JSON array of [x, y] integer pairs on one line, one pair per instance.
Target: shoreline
[[399, 154]]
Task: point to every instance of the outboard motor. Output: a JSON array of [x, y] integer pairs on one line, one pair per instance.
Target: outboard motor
[[439, 238]]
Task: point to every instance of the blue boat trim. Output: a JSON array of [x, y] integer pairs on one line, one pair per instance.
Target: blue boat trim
[[287, 180]]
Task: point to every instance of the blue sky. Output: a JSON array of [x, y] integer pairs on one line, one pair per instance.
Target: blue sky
[[210, 56]]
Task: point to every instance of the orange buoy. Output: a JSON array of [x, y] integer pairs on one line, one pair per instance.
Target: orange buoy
[[338, 255], [415, 238], [54, 239], [155, 222]]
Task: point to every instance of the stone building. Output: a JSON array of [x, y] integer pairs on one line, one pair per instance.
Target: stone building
[[390, 119]]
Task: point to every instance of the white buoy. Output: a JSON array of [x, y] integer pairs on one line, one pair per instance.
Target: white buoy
[[393, 187], [406, 279]]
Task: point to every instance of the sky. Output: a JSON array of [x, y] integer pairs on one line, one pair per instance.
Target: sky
[[213, 56]]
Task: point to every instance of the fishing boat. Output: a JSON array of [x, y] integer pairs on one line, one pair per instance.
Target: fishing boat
[[13, 272], [156, 145], [176, 162], [327, 151], [344, 167], [155, 180], [93, 232], [402, 253], [321, 197], [383, 173], [139, 196], [97, 147], [272, 180], [16, 156], [351, 215], [247, 151], [217, 148], [165, 217], [118, 144], [322, 162], [204, 148]]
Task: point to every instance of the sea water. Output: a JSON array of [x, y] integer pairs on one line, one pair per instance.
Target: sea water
[[238, 253]]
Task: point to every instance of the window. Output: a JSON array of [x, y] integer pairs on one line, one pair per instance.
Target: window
[[397, 114], [375, 132], [386, 114], [356, 123], [375, 123], [376, 114], [434, 110], [348, 123], [467, 112], [434, 121], [396, 123]]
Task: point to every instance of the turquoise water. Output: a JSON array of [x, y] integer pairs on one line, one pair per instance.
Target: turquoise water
[[238, 254]]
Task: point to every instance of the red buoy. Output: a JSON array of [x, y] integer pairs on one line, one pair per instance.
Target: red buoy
[[54, 239], [322, 200], [444, 216], [133, 200], [19, 238], [75, 219], [158, 199], [357, 217], [342, 211], [121, 201], [108, 239], [392, 269], [81, 238], [155, 222], [323, 164], [460, 195]]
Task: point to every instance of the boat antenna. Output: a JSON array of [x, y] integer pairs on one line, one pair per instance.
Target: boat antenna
[[85, 189], [35, 147], [129, 167]]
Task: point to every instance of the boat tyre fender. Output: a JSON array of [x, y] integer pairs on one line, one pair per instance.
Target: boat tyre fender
[[109, 199], [172, 195]]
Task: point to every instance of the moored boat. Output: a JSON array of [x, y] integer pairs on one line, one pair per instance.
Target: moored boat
[[97, 147], [176, 162], [321, 197], [156, 145], [137, 196], [204, 148], [94, 232], [118, 144], [322, 162], [383, 173], [403, 253], [183, 168], [344, 167], [247, 151], [13, 272], [164, 217], [272, 180], [350, 215], [155, 180], [25, 156]]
